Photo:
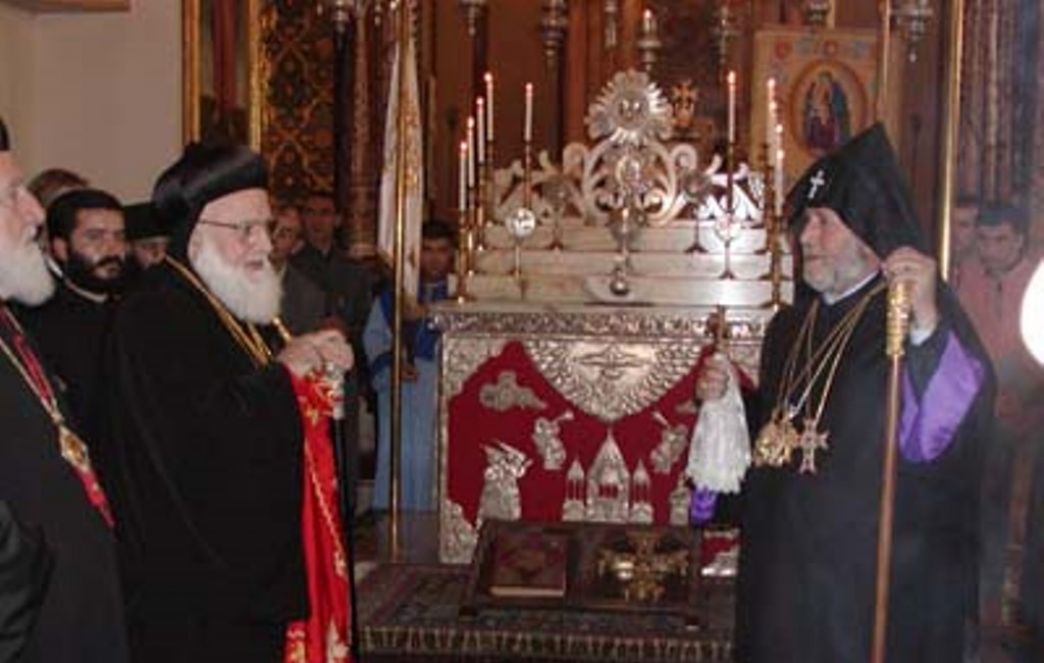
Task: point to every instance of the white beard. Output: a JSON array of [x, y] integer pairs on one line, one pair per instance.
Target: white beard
[[250, 297], [24, 276]]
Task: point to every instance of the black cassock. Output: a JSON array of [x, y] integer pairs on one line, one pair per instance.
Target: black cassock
[[809, 542], [81, 617], [203, 463], [70, 330]]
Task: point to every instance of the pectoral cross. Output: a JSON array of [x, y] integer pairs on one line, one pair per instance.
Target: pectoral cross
[[810, 442], [817, 181]]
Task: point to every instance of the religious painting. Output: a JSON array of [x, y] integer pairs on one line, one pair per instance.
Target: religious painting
[[826, 90], [222, 77]]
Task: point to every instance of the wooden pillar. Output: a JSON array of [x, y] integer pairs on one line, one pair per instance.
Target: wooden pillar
[[630, 19], [361, 217]]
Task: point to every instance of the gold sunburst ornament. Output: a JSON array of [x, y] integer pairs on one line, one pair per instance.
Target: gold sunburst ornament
[[632, 110]]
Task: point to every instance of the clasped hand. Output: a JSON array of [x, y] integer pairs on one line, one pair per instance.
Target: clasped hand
[[320, 351]]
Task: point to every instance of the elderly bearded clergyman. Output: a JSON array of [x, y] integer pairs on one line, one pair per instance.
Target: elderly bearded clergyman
[[205, 465]]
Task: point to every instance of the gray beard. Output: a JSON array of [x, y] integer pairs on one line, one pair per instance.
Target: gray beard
[[250, 298], [24, 276]]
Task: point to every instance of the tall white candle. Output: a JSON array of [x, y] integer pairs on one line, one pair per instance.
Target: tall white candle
[[527, 128], [489, 106], [777, 143], [480, 134], [779, 182], [732, 108], [770, 115], [471, 152], [462, 177]]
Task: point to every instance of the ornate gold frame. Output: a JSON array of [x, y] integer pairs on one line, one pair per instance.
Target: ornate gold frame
[[191, 75]]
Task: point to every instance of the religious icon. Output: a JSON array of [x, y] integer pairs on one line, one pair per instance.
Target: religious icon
[[826, 122]]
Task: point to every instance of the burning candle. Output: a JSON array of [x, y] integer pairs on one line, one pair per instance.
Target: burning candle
[[527, 128], [471, 152], [489, 106], [480, 137], [648, 23], [770, 117], [732, 108], [777, 143]]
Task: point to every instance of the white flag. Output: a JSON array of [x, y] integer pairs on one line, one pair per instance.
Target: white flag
[[414, 202]]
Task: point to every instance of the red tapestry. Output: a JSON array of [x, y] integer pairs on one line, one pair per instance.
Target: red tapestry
[[473, 426]]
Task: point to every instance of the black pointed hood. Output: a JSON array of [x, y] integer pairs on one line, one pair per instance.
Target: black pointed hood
[[862, 182]]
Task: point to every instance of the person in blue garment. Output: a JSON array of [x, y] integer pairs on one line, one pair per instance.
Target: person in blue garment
[[420, 375]]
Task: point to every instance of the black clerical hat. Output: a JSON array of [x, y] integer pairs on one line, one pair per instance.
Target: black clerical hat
[[205, 172], [5, 138], [143, 222], [861, 181]]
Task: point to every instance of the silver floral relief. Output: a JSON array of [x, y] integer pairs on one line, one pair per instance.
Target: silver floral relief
[[501, 499], [547, 438], [462, 356], [608, 379], [458, 537], [674, 440], [506, 393]]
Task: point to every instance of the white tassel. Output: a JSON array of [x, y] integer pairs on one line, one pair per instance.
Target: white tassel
[[719, 452]]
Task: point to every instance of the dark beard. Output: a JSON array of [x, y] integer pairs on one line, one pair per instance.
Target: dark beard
[[80, 271]]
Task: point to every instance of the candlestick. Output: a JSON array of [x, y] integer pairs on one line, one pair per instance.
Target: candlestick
[[471, 152], [489, 106], [480, 134], [779, 182], [527, 128], [732, 108], [462, 194]]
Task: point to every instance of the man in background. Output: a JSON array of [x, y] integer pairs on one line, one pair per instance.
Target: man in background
[[88, 242], [304, 303], [962, 238], [991, 289], [420, 378], [349, 291], [146, 235]]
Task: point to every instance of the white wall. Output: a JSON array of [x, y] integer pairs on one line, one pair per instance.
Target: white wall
[[97, 93], [16, 54]]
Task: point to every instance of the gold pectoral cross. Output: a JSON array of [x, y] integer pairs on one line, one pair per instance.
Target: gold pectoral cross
[[811, 441]]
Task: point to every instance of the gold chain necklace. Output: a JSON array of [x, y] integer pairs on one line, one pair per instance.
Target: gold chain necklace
[[250, 340], [72, 447], [778, 439]]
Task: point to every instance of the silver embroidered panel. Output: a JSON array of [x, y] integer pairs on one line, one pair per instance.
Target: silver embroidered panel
[[611, 380]]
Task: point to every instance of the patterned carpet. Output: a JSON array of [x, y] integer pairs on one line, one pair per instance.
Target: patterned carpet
[[409, 612]]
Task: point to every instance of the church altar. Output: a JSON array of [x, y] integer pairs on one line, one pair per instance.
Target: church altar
[[592, 290]]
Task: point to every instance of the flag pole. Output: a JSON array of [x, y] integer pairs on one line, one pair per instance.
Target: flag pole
[[897, 325], [401, 173]]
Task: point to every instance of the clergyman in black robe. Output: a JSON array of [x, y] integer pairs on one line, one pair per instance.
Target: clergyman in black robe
[[809, 523], [56, 506], [86, 231], [205, 455]]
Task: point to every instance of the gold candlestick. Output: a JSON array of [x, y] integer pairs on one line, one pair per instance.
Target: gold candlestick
[[473, 217], [730, 208], [462, 256], [527, 174]]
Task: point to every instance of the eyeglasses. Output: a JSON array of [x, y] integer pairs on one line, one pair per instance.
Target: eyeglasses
[[243, 229]]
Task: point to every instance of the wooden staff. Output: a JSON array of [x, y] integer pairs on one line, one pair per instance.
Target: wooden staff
[[897, 326]]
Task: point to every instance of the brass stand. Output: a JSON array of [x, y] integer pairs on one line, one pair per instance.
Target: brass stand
[[462, 256]]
